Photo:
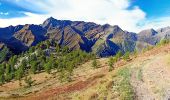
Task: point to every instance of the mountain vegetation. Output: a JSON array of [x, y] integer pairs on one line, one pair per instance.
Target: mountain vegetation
[[43, 57], [63, 49]]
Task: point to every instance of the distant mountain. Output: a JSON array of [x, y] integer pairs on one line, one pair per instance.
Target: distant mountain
[[104, 40], [148, 37], [152, 36]]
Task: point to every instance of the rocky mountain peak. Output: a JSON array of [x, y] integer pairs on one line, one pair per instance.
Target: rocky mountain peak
[[50, 22]]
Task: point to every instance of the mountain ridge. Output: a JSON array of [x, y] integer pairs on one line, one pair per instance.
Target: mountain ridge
[[104, 40]]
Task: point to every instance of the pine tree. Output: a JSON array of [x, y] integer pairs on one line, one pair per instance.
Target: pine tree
[[2, 77], [8, 73], [33, 67], [48, 67], [19, 73]]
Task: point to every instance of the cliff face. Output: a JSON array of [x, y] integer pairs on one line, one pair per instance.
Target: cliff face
[[104, 40]]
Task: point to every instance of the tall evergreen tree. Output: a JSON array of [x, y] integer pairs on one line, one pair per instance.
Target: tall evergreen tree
[[33, 67], [2, 77]]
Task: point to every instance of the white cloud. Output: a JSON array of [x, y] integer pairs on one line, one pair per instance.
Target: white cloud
[[114, 12], [30, 19], [155, 23]]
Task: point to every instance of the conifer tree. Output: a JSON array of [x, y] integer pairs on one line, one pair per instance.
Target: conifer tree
[[2, 77], [33, 67]]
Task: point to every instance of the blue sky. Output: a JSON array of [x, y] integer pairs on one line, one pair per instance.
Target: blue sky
[[17, 8], [131, 15], [154, 8]]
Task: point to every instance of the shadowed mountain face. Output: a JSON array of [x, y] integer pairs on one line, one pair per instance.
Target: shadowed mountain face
[[104, 40]]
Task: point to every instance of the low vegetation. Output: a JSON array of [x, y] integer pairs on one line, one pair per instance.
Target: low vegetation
[[163, 42], [94, 63], [29, 81], [123, 86], [126, 56]]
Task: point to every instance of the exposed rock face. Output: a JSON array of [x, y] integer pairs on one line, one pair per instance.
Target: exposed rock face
[[104, 40], [30, 35], [66, 36], [25, 36], [148, 36]]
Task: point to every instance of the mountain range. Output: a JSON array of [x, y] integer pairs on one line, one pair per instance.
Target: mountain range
[[104, 40]]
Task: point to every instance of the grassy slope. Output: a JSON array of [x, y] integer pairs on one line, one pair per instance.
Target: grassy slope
[[88, 83]]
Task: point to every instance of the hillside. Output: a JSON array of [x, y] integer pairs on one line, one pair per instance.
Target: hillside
[[63, 59], [144, 76]]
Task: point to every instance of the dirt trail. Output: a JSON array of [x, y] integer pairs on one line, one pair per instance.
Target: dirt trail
[[141, 89], [157, 75], [150, 77]]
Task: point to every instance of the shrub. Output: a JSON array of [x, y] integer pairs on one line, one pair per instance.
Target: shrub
[[29, 81], [111, 62], [94, 63]]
